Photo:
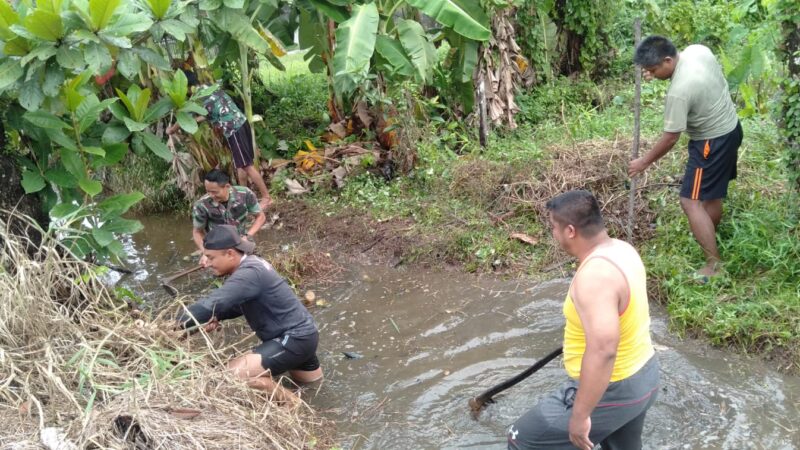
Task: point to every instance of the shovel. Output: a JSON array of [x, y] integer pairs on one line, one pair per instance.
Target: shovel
[[477, 403], [165, 283]]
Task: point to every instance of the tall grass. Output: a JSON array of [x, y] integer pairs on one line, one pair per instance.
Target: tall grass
[[754, 304], [72, 357]]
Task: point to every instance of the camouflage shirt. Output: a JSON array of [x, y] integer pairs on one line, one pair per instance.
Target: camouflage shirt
[[223, 112], [242, 202]]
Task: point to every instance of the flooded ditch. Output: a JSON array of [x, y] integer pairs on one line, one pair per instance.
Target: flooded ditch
[[425, 342]]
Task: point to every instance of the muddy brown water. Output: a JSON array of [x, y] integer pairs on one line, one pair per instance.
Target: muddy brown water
[[429, 341]]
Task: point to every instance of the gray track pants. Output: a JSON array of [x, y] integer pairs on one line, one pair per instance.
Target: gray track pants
[[617, 420]]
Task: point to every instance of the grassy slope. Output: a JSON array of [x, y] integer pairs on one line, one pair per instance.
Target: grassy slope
[[754, 306]]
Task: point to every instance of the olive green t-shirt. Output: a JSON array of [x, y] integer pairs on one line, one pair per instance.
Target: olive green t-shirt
[[698, 101]]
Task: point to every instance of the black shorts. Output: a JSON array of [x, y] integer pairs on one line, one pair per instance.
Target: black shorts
[[289, 353], [241, 145], [711, 166]]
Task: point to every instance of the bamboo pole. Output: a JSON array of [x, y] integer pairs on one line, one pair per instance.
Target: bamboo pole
[[637, 97]]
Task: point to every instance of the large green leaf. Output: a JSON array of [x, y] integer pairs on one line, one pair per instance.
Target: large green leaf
[[239, 26], [10, 72], [44, 25], [210, 5], [102, 237], [53, 79], [129, 23], [8, 17], [355, 44], [159, 8], [31, 95], [234, 4], [45, 119], [128, 64], [70, 58], [176, 28], [186, 122], [419, 48], [115, 133], [97, 151], [338, 13], [89, 111], [312, 37], [58, 137], [157, 110], [73, 163], [32, 182], [91, 187], [151, 57], [115, 152], [177, 88], [466, 57], [134, 125], [41, 52], [156, 146], [16, 47], [98, 57], [60, 177], [466, 17], [102, 11], [64, 209], [123, 226], [120, 204], [395, 57]]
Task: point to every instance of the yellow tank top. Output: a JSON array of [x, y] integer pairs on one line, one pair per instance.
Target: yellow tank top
[[635, 347]]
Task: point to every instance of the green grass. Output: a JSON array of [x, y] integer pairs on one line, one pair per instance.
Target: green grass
[[292, 103], [753, 306]]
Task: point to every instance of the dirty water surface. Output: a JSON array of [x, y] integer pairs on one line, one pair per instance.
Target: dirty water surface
[[420, 344]]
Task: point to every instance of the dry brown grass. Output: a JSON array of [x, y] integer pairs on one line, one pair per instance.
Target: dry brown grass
[[73, 357]]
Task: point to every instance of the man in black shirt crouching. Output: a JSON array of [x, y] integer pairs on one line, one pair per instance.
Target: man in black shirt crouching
[[256, 291]]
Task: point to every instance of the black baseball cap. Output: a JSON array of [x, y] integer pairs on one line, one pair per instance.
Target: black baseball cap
[[223, 237]]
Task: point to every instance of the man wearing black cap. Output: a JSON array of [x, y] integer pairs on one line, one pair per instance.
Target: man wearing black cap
[[288, 333]]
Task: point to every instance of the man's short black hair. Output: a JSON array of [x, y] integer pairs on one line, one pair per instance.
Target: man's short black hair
[[217, 176], [652, 50], [579, 209]]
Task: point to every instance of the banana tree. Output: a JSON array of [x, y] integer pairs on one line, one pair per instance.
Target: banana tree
[[384, 38]]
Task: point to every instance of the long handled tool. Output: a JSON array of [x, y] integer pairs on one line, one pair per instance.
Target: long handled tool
[[477, 403], [637, 104], [165, 283]]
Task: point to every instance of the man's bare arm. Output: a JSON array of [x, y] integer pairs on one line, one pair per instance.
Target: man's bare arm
[[597, 293], [259, 221], [661, 148]]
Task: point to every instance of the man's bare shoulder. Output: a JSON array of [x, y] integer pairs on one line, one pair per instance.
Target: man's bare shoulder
[[598, 277]]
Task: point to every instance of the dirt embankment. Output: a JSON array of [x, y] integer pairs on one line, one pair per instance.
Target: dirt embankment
[[510, 199]]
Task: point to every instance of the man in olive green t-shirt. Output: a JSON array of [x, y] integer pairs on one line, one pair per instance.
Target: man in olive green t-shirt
[[698, 102]]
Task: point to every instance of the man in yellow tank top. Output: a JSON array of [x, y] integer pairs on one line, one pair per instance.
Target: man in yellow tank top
[[608, 353]]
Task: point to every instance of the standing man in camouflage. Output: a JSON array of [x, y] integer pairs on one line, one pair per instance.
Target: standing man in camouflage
[[224, 204], [225, 116]]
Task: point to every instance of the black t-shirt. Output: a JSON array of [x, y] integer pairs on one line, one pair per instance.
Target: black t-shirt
[[258, 292]]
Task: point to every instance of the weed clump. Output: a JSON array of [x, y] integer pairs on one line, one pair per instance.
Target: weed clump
[[598, 166], [78, 363]]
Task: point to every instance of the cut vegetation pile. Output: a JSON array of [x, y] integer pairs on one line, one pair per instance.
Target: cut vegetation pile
[[78, 367], [598, 166]]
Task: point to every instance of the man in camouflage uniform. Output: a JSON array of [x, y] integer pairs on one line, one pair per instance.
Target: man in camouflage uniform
[[224, 204]]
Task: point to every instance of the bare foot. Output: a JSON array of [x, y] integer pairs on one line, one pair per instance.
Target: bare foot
[[265, 203], [709, 270]]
